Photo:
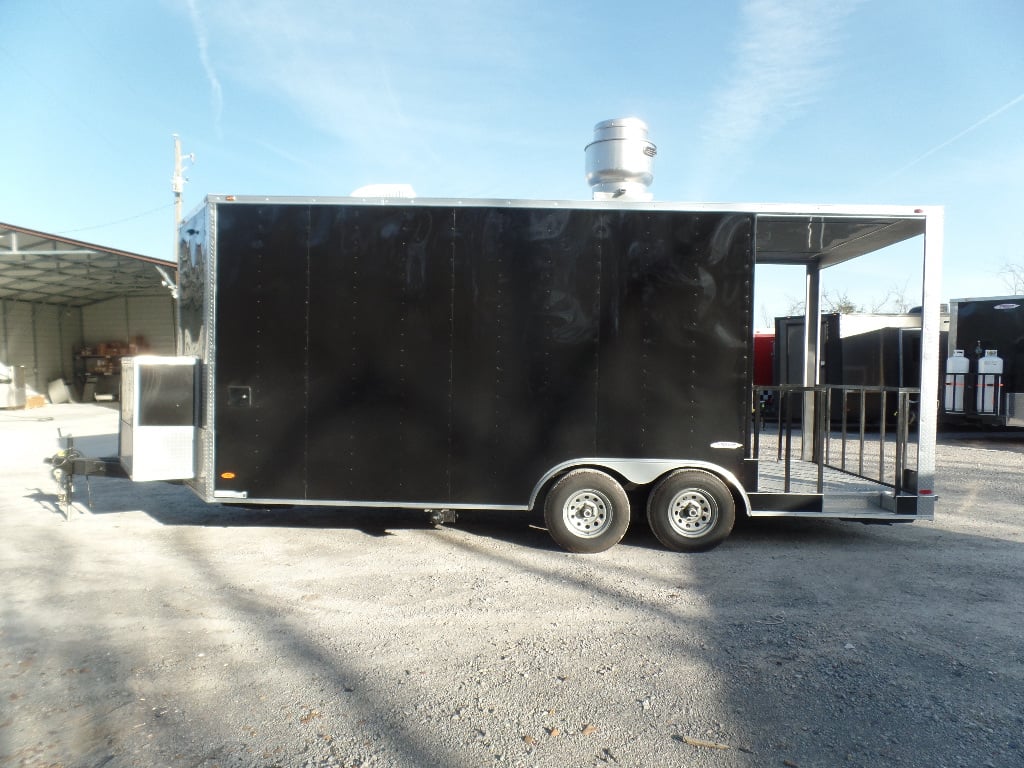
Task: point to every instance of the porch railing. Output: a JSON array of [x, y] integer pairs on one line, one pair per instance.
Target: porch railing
[[863, 432]]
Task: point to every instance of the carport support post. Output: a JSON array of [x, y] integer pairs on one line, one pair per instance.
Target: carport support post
[[812, 343]]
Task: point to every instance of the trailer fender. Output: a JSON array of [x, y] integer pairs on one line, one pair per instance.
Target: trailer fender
[[644, 472]]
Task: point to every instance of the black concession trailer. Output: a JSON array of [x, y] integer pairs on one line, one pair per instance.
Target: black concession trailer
[[507, 355], [984, 381]]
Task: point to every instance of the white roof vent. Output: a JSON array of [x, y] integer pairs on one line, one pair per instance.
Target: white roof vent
[[385, 190]]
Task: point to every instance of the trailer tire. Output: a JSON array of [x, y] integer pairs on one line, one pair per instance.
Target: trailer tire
[[691, 510], [586, 511]]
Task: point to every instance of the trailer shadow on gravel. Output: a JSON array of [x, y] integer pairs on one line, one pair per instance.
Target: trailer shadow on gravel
[[175, 505], [798, 641]]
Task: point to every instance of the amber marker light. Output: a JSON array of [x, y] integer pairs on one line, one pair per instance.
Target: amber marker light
[[227, 475]]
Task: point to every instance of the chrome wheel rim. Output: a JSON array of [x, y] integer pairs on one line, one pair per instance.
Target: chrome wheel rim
[[587, 513], [692, 513]]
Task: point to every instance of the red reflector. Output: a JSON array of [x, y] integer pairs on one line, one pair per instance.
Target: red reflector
[[925, 493]]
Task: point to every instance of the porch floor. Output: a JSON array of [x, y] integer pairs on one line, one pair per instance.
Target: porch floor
[[836, 485]]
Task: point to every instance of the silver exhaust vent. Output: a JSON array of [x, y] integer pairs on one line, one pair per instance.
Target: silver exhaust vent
[[620, 160]]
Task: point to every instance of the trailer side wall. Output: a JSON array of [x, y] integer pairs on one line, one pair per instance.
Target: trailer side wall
[[438, 354]]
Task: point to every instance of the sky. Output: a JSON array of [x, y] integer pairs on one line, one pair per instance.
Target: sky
[[899, 102]]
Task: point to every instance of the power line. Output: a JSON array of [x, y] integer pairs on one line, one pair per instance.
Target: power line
[[119, 221]]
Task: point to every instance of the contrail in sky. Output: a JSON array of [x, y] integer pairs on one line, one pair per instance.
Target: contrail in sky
[[200, 30], [964, 132]]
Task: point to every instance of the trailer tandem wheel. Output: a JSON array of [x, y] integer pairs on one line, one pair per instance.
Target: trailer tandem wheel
[[691, 510], [586, 511]]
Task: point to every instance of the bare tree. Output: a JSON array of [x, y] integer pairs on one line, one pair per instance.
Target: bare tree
[[1013, 276], [894, 300], [831, 301], [840, 303], [795, 307]]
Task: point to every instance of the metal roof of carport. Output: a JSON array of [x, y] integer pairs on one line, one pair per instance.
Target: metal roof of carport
[[49, 269]]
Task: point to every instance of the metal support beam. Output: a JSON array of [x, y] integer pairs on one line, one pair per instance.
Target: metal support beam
[[928, 406], [812, 345]]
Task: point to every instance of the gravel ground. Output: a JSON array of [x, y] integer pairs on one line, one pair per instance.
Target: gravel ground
[[153, 630]]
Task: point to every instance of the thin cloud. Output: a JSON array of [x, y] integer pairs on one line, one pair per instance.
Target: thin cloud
[[938, 147], [391, 81], [217, 92], [783, 61]]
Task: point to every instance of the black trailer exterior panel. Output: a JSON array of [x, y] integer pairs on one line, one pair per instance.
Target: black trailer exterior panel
[[992, 323], [415, 354]]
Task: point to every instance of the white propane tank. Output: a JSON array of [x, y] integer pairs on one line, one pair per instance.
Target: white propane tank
[[957, 368], [990, 381]]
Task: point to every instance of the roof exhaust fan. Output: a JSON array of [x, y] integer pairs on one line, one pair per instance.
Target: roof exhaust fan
[[620, 160]]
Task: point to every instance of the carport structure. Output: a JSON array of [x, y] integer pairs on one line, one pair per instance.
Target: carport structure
[[59, 295]]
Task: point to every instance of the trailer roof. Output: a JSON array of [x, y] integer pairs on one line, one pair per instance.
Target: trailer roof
[[43, 268], [821, 235], [828, 240]]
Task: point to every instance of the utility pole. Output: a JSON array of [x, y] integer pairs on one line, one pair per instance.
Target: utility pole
[[178, 186]]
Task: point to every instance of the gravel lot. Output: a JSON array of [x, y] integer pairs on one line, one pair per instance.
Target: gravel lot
[[153, 630]]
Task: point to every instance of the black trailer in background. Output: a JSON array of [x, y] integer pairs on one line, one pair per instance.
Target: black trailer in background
[[978, 327], [507, 355], [862, 350]]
